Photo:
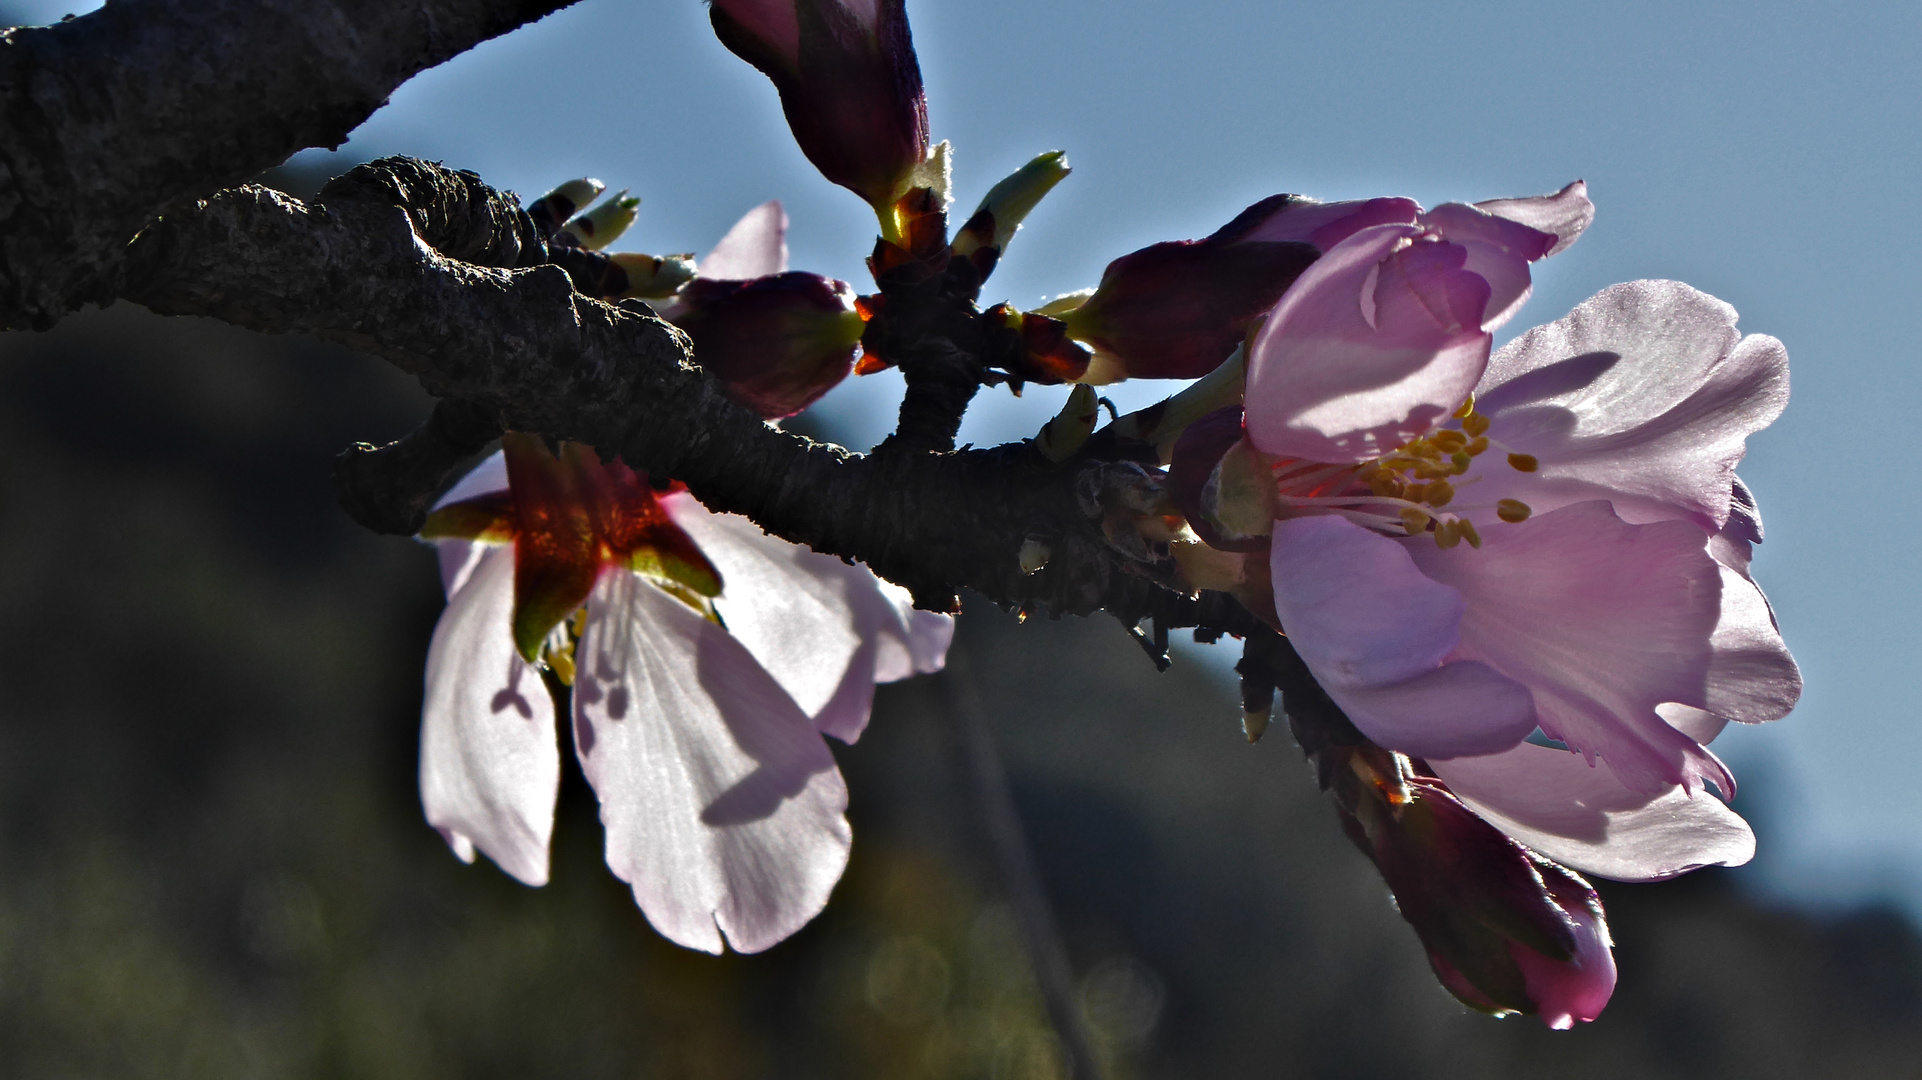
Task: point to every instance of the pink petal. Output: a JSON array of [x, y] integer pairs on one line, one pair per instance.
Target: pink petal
[[1564, 215], [1751, 677], [723, 807], [1579, 987], [1326, 224], [1376, 633], [489, 769], [1372, 345], [1602, 621], [1499, 251], [1644, 395], [1582, 816], [755, 247]]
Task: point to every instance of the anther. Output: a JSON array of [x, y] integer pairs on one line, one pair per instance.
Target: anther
[[1467, 407], [1415, 521], [1475, 424], [1476, 445], [1469, 534], [1524, 462], [1438, 493], [1448, 533], [1512, 511], [1449, 441], [1461, 460]]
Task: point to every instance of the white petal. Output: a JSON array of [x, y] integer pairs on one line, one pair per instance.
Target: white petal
[[489, 768], [1582, 816], [458, 559], [755, 247], [723, 807], [827, 631], [483, 479]]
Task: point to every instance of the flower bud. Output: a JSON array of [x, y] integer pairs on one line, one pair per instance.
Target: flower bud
[[849, 83], [653, 277], [1176, 310], [777, 342], [604, 224], [1506, 930], [986, 234], [555, 207]]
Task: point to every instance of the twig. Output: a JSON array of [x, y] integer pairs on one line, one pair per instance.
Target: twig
[[1015, 861]]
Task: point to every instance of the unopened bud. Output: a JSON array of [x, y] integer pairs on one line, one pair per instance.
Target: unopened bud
[[849, 83], [654, 277], [776, 342], [554, 208], [1177, 310], [605, 223], [1008, 203], [1062, 436], [1506, 930]]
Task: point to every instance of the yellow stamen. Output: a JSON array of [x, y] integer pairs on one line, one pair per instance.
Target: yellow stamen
[[1438, 493], [1448, 441], [1467, 407], [1475, 424], [1512, 511], [1523, 462], [1448, 534], [1461, 460], [1415, 521], [1469, 534], [1476, 445]]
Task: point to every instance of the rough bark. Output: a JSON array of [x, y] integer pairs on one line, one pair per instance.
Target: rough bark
[[521, 348], [110, 118]]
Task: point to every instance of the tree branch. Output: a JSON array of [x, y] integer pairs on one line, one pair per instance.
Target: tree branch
[[109, 119], [523, 349]]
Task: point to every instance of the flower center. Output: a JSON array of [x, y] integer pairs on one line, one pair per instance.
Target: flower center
[[1404, 492]]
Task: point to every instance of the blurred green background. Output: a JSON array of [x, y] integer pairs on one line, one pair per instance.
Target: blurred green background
[[215, 864]]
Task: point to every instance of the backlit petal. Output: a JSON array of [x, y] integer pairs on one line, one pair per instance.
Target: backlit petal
[[1645, 395], [723, 807], [755, 247], [1368, 348], [1603, 621], [1564, 215], [1376, 633], [489, 768], [1581, 815]]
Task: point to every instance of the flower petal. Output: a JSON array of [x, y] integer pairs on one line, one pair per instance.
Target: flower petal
[[1583, 816], [1499, 251], [1302, 221], [1751, 677], [826, 630], [489, 769], [723, 807], [1376, 632], [483, 479], [1372, 345], [755, 247], [1602, 621], [1564, 215], [1644, 395]]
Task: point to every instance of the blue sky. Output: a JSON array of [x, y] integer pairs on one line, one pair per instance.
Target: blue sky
[[1757, 150]]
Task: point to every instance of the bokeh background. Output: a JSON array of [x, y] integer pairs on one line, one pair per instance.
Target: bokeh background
[[214, 860]]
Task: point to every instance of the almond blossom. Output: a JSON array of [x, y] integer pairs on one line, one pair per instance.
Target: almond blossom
[[1467, 549], [707, 660]]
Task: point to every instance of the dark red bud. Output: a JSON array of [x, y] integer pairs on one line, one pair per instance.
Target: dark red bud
[[850, 85], [1176, 310], [776, 342]]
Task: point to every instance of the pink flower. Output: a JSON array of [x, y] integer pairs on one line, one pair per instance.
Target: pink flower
[[1176, 310], [1469, 548], [707, 660], [849, 84]]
